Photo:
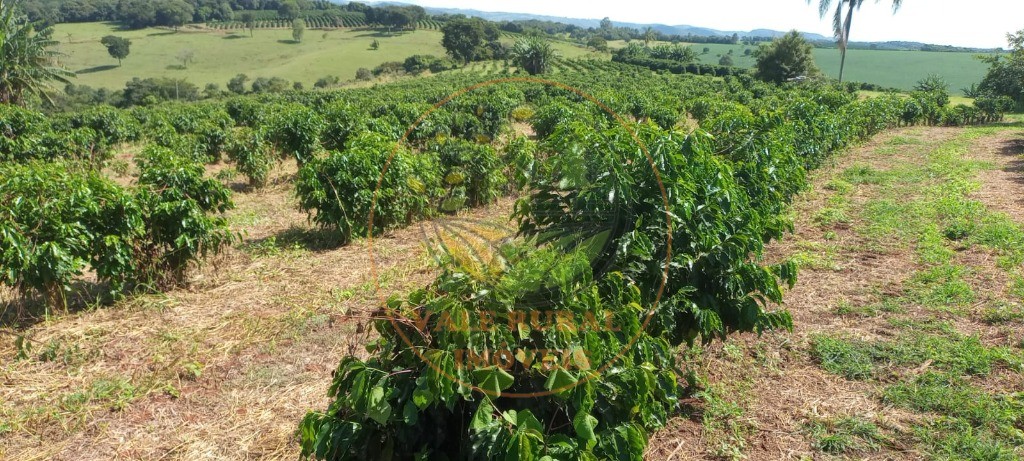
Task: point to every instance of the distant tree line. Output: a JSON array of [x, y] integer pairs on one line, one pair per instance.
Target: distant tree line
[[132, 13], [173, 13]]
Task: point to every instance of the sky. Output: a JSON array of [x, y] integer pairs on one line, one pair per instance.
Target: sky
[[977, 23]]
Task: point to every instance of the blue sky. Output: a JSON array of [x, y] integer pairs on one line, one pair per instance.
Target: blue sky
[[978, 23]]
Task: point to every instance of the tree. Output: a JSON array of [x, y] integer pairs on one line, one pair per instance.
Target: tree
[[288, 9], [841, 27], [533, 54], [269, 85], [649, 35], [173, 13], [463, 38], [374, 45], [249, 20], [401, 17], [237, 83], [1005, 76], [606, 24], [118, 47], [186, 57], [298, 29], [27, 56], [784, 58], [598, 43], [725, 61], [136, 14]]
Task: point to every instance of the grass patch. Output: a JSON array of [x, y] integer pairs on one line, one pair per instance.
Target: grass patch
[[816, 256], [864, 174], [942, 287], [845, 435], [830, 216], [954, 397], [1002, 312], [959, 355], [845, 307]]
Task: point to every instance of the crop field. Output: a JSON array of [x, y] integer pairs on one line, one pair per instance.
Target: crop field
[[222, 54], [891, 69], [606, 263]]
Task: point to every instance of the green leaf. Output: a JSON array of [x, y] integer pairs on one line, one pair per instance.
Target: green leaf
[[584, 424], [422, 398], [520, 448], [492, 380], [484, 416], [526, 421], [560, 381], [378, 408], [410, 414]]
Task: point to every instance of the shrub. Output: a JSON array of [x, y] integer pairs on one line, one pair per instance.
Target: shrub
[[269, 85], [419, 63], [341, 122], [295, 129], [388, 68], [364, 74], [327, 82], [56, 221], [177, 202], [114, 125], [422, 413], [338, 190], [251, 152], [471, 173]]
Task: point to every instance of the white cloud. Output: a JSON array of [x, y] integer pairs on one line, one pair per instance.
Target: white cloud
[[980, 23]]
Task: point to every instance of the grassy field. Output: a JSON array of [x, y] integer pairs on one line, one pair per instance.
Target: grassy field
[[896, 69], [220, 55]]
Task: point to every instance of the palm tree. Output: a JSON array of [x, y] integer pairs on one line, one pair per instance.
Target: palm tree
[[27, 61], [841, 28], [533, 54]]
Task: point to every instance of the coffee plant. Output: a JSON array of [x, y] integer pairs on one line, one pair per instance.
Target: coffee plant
[[340, 190], [252, 154]]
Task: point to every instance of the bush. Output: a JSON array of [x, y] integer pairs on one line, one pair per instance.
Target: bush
[[114, 125], [419, 63], [387, 68], [327, 82], [270, 85], [252, 155], [57, 221], [364, 74], [338, 191], [471, 173], [295, 129], [177, 202]]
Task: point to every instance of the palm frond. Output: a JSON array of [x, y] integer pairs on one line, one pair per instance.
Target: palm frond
[[837, 25]]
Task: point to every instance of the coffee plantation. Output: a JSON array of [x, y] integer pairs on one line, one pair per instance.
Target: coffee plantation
[[649, 213]]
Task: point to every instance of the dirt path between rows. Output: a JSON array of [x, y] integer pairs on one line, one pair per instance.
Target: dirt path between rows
[[774, 378]]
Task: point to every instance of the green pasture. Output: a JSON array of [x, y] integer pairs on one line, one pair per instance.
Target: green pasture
[[220, 55], [895, 69]]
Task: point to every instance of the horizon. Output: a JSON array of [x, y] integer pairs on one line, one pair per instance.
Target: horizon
[[875, 22]]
